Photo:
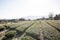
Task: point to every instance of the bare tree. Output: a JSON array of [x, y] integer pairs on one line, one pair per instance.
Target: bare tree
[[51, 16]]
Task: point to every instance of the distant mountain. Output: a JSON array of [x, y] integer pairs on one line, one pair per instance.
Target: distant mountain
[[32, 17]]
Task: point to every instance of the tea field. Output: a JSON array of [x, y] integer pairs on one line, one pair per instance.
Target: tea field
[[31, 30]]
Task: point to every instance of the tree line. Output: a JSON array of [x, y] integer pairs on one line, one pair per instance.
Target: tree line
[[50, 17], [56, 17]]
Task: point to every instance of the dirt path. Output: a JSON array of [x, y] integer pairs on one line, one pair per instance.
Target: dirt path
[[2, 33], [19, 38], [41, 32]]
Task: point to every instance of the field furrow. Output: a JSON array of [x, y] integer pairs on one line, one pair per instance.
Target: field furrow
[[50, 33]]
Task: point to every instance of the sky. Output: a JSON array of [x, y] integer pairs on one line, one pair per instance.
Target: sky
[[32, 9]]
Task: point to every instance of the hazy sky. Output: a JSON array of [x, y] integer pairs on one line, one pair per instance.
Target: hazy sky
[[28, 8]]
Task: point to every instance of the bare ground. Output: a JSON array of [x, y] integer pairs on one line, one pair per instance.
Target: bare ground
[[2, 33], [41, 32]]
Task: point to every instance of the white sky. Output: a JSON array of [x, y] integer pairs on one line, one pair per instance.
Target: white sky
[[28, 8]]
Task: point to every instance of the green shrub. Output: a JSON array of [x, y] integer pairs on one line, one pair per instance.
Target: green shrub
[[27, 38], [10, 34], [2, 28], [24, 38]]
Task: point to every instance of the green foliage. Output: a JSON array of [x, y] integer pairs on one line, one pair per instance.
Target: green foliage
[[2, 28], [27, 38], [34, 29], [10, 34], [22, 28]]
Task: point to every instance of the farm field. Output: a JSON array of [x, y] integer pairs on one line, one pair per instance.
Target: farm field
[[31, 30]]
